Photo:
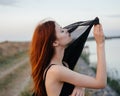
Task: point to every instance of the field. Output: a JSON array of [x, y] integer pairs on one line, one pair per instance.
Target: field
[[14, 68]]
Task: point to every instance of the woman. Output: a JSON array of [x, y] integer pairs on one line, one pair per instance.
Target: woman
[[48, 71]]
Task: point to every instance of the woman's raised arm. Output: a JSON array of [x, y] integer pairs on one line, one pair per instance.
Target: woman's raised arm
[[67, 75], [101, 74]]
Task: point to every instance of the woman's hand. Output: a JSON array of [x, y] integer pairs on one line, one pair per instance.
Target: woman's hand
[[78, 91], [98, 34]]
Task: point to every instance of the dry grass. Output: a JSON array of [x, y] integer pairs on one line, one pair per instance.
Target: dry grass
[[11, 54], [13, 82], [11, 48]]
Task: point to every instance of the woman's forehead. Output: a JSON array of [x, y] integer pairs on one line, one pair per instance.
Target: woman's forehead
[[57, 25]]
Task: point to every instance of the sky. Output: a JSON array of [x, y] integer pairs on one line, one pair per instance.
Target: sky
[[18, 18]]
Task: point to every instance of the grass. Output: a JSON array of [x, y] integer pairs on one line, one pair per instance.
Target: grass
[[4, 82], [85, 57], [7, 62], [111, 82], [11, 82], [26, 93], [8, 59], [114, 84], [27, 90]]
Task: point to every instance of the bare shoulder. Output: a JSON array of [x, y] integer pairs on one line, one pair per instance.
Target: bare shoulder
[[57, 70]]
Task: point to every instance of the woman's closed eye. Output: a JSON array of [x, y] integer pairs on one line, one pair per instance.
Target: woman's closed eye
[[62, 31]]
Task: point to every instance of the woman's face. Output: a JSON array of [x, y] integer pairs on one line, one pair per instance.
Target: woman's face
[[62, 35]]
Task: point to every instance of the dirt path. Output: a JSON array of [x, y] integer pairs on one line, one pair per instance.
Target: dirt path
[[8, 71], [13, 80]]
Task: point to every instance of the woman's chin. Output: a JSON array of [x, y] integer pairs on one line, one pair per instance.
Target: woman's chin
[[70, 42]]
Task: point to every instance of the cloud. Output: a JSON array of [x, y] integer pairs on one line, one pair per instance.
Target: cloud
[[114, 16], [8, 2]]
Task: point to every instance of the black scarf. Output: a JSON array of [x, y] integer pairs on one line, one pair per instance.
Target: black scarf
[[79, 31]]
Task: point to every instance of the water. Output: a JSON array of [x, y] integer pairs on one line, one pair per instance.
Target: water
[[112, 48]]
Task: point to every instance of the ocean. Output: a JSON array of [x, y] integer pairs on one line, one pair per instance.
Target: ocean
[[112, 49]]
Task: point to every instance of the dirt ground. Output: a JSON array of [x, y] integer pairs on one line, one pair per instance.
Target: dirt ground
[[14, 79]]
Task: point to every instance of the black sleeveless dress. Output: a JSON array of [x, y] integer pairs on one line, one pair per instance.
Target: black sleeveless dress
[[74, 50], [62, 93]]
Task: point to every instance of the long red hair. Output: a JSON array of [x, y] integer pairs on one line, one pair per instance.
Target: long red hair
[[41, 52]]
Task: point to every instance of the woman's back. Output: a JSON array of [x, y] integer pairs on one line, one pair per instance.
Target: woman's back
[[53, 87], [51, 83]]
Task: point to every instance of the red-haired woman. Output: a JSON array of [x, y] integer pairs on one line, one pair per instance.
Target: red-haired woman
[[48, 71]]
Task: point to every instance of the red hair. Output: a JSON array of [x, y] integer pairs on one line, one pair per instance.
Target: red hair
[[41, 52]]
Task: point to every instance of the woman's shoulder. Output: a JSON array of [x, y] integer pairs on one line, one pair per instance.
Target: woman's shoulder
[[57, 69]]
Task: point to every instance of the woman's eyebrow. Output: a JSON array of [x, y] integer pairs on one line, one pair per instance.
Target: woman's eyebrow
[[61, 28]]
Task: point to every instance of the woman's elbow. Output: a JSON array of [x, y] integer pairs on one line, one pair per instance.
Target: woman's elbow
[[102, 85]]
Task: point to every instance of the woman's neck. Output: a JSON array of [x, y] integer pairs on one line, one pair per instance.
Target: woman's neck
[[58, 56]]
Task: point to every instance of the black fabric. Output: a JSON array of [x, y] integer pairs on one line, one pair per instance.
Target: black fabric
[[74, 50]]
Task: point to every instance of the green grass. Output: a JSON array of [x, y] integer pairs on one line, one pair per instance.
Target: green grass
[[25, 93], [6, 81], [8, 59], [7, 62], [27, 90], [111, 82], [114, 84], [85, 57]]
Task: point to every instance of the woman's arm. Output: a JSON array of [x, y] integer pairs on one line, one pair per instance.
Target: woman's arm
[[67, 75], [101, 67]]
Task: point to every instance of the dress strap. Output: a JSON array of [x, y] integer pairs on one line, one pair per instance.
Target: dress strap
[[45, 72]]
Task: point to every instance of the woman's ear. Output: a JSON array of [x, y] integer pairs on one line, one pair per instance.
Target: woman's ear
[[55, 43]]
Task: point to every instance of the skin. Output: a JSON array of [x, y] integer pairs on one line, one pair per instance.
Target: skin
[[59, 74]]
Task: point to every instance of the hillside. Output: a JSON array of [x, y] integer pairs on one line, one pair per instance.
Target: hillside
[[8, 48]]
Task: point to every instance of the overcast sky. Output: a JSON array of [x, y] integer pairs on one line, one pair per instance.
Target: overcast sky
[[18, 18]]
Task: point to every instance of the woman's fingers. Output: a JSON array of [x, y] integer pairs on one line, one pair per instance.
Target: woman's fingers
[[83, 92], [74, 92], [101, 30], [96, 28], [98, 34], [78, 91]]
